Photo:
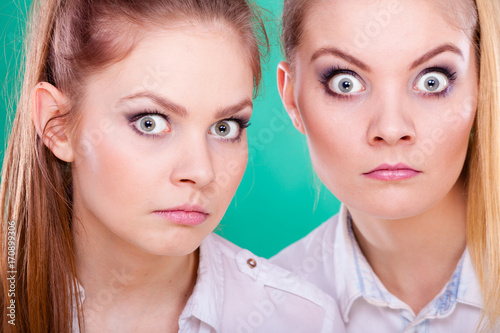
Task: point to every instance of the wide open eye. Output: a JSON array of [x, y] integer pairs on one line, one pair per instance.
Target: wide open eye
[[226, 129], [152, 124], [433, 82], [344, 84]]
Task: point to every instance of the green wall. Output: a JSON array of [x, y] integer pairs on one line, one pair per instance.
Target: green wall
[[279, 200], [12, 20]]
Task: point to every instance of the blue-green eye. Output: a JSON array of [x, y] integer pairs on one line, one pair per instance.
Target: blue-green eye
[[152, 124], [433, 82], [226, 129], [344, 84]]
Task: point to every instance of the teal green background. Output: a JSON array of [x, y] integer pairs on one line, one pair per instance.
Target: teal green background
[[279, 200]]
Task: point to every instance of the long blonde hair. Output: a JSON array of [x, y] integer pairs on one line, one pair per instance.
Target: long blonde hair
[[483, 162], [483, 210], [67, 40]]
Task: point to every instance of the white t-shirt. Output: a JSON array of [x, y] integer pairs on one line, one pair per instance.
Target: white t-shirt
[[331, 258], [238, 292]]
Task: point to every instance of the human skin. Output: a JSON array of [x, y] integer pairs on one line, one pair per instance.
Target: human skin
[[129, 184], [390, 118]]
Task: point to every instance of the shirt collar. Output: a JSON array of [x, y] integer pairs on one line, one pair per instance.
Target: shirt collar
[[359, 280], [350, 287], [206, 301]]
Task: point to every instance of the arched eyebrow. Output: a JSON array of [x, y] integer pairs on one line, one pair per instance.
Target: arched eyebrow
[[448, 47], [434, 52], [158, 100], [229, 111], [340, 54], [181, 111]]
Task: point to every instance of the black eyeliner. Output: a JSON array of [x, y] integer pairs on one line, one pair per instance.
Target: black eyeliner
[[147, 112], [243, 123], [446, 71], [329, 74]]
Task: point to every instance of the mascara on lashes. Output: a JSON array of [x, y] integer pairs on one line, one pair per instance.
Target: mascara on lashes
[[243, 123], [135, 117], [331, 72], [446, 71]]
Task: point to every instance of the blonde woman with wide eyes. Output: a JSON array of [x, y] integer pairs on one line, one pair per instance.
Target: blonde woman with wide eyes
[[400, 104], [128, 145]]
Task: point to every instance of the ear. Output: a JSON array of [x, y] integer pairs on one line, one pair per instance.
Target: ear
[[49, 107], [287, 94]]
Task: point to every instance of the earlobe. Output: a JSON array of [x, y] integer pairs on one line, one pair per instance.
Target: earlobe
[[287, 94], [49, 110]]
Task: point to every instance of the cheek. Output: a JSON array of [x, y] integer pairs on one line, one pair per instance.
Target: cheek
[[327, 149], [448, 137], [107, 171], [332, 132], [101, 157], [230, 165], [333, 148]]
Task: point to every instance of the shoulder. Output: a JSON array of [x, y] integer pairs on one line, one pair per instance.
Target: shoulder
[[259, 272], [317, 245], [262, 297], [322, 257]]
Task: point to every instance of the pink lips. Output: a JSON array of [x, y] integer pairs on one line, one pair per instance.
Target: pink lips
[[389, 172], [185, 215]]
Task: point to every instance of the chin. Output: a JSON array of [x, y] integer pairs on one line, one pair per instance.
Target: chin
[[393, 213], [171, 250], [389, 208], [168, 246]]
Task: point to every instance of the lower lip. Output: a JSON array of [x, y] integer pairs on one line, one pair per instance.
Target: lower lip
[[183, 217], [392, 175]]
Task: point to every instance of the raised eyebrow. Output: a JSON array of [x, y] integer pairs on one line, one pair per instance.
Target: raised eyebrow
[[448, 47], [159, 100], [340, 54], [229, 111]]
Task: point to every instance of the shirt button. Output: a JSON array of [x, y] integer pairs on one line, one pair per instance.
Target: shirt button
[[252, 263]]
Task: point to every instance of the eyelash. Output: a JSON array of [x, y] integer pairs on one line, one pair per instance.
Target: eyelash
[[243, 123], [336, 70], [145, 113], [329, 74], [448, 72]]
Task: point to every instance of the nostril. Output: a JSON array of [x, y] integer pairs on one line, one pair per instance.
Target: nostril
[[390, 139], [186, 181]]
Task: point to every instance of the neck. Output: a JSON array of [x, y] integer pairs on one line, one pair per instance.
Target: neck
[[415, 257], [117, 273]]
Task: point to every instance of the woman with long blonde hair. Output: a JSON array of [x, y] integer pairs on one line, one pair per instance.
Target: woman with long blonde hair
[[128, 145], [400, 104]]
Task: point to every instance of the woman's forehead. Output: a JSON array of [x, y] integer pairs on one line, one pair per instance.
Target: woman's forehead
[[359, 27], [462, 14]]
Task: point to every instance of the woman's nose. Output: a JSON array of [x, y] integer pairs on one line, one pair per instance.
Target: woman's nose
[[390, 124], [194, 165]]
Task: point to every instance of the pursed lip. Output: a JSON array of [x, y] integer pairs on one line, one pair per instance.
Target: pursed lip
[[394, 172], [184, 214]]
